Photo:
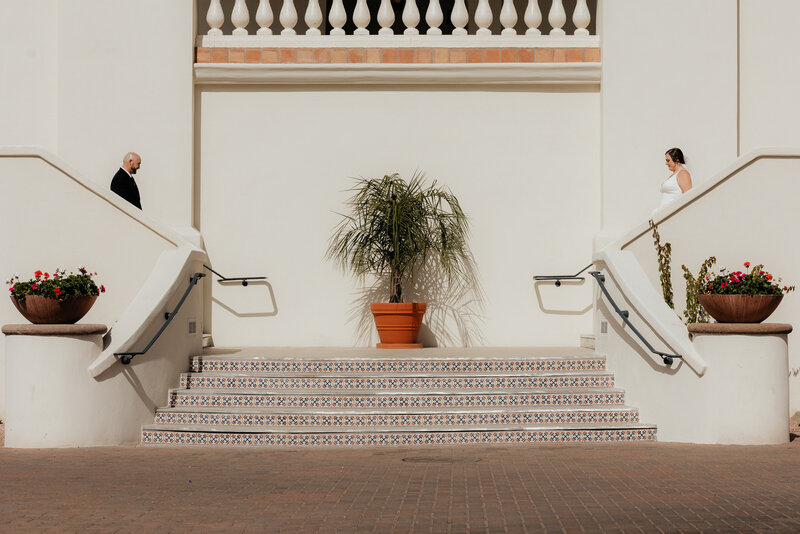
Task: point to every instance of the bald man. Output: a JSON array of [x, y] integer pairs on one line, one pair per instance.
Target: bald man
[[123, 183]]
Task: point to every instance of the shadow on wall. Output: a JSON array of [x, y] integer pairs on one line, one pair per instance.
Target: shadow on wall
[[565, 284], [453, 316], [238, 311]]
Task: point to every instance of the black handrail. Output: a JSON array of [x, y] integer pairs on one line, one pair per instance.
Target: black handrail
[[242, 279], [126, 357], [668, 358], [559, 277]]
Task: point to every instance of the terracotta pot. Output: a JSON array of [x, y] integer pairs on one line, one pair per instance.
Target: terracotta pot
[[740, 308], [398, 323], [44, 310]]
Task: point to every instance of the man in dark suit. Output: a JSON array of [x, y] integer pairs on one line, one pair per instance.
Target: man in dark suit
[[123, 183]]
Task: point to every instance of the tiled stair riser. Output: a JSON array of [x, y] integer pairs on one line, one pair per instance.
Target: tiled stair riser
[[157, 437], [398, 420], [397, 366], [463, 400], [397, 383]]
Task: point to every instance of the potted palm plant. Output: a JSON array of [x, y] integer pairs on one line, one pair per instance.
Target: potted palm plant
[[393, 227]]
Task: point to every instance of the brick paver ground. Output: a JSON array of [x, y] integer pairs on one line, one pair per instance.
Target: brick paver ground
[[598, 487]]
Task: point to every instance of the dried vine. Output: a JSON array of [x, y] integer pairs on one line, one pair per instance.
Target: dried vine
[[665, 270], [694, 312]]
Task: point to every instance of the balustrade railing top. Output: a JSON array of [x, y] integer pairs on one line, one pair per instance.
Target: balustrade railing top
[[396, 23]]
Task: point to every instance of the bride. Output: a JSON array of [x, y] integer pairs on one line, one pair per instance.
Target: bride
[[679, 181]]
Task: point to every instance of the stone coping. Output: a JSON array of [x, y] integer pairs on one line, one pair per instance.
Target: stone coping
[[752, 329], [86, 329]]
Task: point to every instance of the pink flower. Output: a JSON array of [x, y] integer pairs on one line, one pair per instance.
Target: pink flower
[[11, 288], [723, 285], [102, 289], [784, 287], [34, 286]]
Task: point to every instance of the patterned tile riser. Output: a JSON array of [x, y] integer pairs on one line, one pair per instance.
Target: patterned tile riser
[[404, 401], [155, 437], [401, 383], [396, 366], [390, 420]]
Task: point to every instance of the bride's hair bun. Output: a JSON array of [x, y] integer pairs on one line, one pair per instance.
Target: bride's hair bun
[[676, 154]]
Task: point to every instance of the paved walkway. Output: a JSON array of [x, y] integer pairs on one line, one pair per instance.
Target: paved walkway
[[571, 488]]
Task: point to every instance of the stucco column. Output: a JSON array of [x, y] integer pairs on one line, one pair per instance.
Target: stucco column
[[747, 380], [48, 399]]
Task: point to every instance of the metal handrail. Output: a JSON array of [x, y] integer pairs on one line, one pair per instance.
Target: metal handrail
[[559, 277], [668, 358], [242, 279], [126, 357]]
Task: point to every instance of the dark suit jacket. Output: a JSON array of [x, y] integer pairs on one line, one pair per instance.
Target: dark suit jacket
[[125, 186]]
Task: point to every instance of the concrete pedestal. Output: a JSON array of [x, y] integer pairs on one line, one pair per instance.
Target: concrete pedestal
[[747, 381]]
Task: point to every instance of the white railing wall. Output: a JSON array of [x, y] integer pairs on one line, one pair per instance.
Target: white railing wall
[[476, 17]]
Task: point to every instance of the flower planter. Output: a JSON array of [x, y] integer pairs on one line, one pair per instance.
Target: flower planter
[[740, 308], [398, 323], [45, 310]]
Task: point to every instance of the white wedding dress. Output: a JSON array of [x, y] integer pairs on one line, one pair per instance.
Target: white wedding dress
[[670, 191]]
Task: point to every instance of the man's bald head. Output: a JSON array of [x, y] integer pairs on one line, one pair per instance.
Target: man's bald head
[[131, 162]]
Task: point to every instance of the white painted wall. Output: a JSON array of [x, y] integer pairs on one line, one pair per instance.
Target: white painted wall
[[125, 83], [273, 164], [28, 99], [669, 79], [769, 76]]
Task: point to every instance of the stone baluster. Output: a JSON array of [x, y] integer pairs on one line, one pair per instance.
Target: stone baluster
[[557, 18], [313, 17], [459, 17], [240, 17], [337, 17], [288, 18], [581, 18], [508, 17], [386, 18], [361, 18], [215, 18], [483, 17], [264, 18], [411, 17], [533, 17], [434, 17]]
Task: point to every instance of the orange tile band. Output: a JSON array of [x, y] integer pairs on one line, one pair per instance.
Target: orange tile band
[[398, 55]]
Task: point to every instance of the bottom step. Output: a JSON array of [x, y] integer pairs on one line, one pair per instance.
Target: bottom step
[[393, 438]]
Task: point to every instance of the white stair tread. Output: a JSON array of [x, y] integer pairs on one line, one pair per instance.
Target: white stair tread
[[392, 430]]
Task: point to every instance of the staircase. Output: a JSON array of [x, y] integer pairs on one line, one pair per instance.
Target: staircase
[[266, 397]]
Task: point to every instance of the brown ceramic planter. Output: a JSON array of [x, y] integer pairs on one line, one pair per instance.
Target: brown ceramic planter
[[398, 323], [740, 308], [44, 310]]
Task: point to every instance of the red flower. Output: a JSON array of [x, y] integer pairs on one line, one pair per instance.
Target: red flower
[[769, 276], [34, 286], [46, 275], [723, 285], [747, 264], [760, 272], [784, 287], [102, 289], [57, 291], [11, 288], [37, 274]]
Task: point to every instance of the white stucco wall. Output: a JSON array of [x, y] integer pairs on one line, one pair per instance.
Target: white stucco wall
[[769, 75], [273, 164], [28, 60], [669, 79], [125, 83]]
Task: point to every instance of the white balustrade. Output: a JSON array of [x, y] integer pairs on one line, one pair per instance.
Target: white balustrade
[[240, 17], [215, 18], [288, 18], [386, 18], [361, 18], [434, 17], [557, 18], [581, 17], [483, 17], [337, 17], [411, 17], [508, 17], [264, 18], [533, 18], [313, 18], [459, 17]]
